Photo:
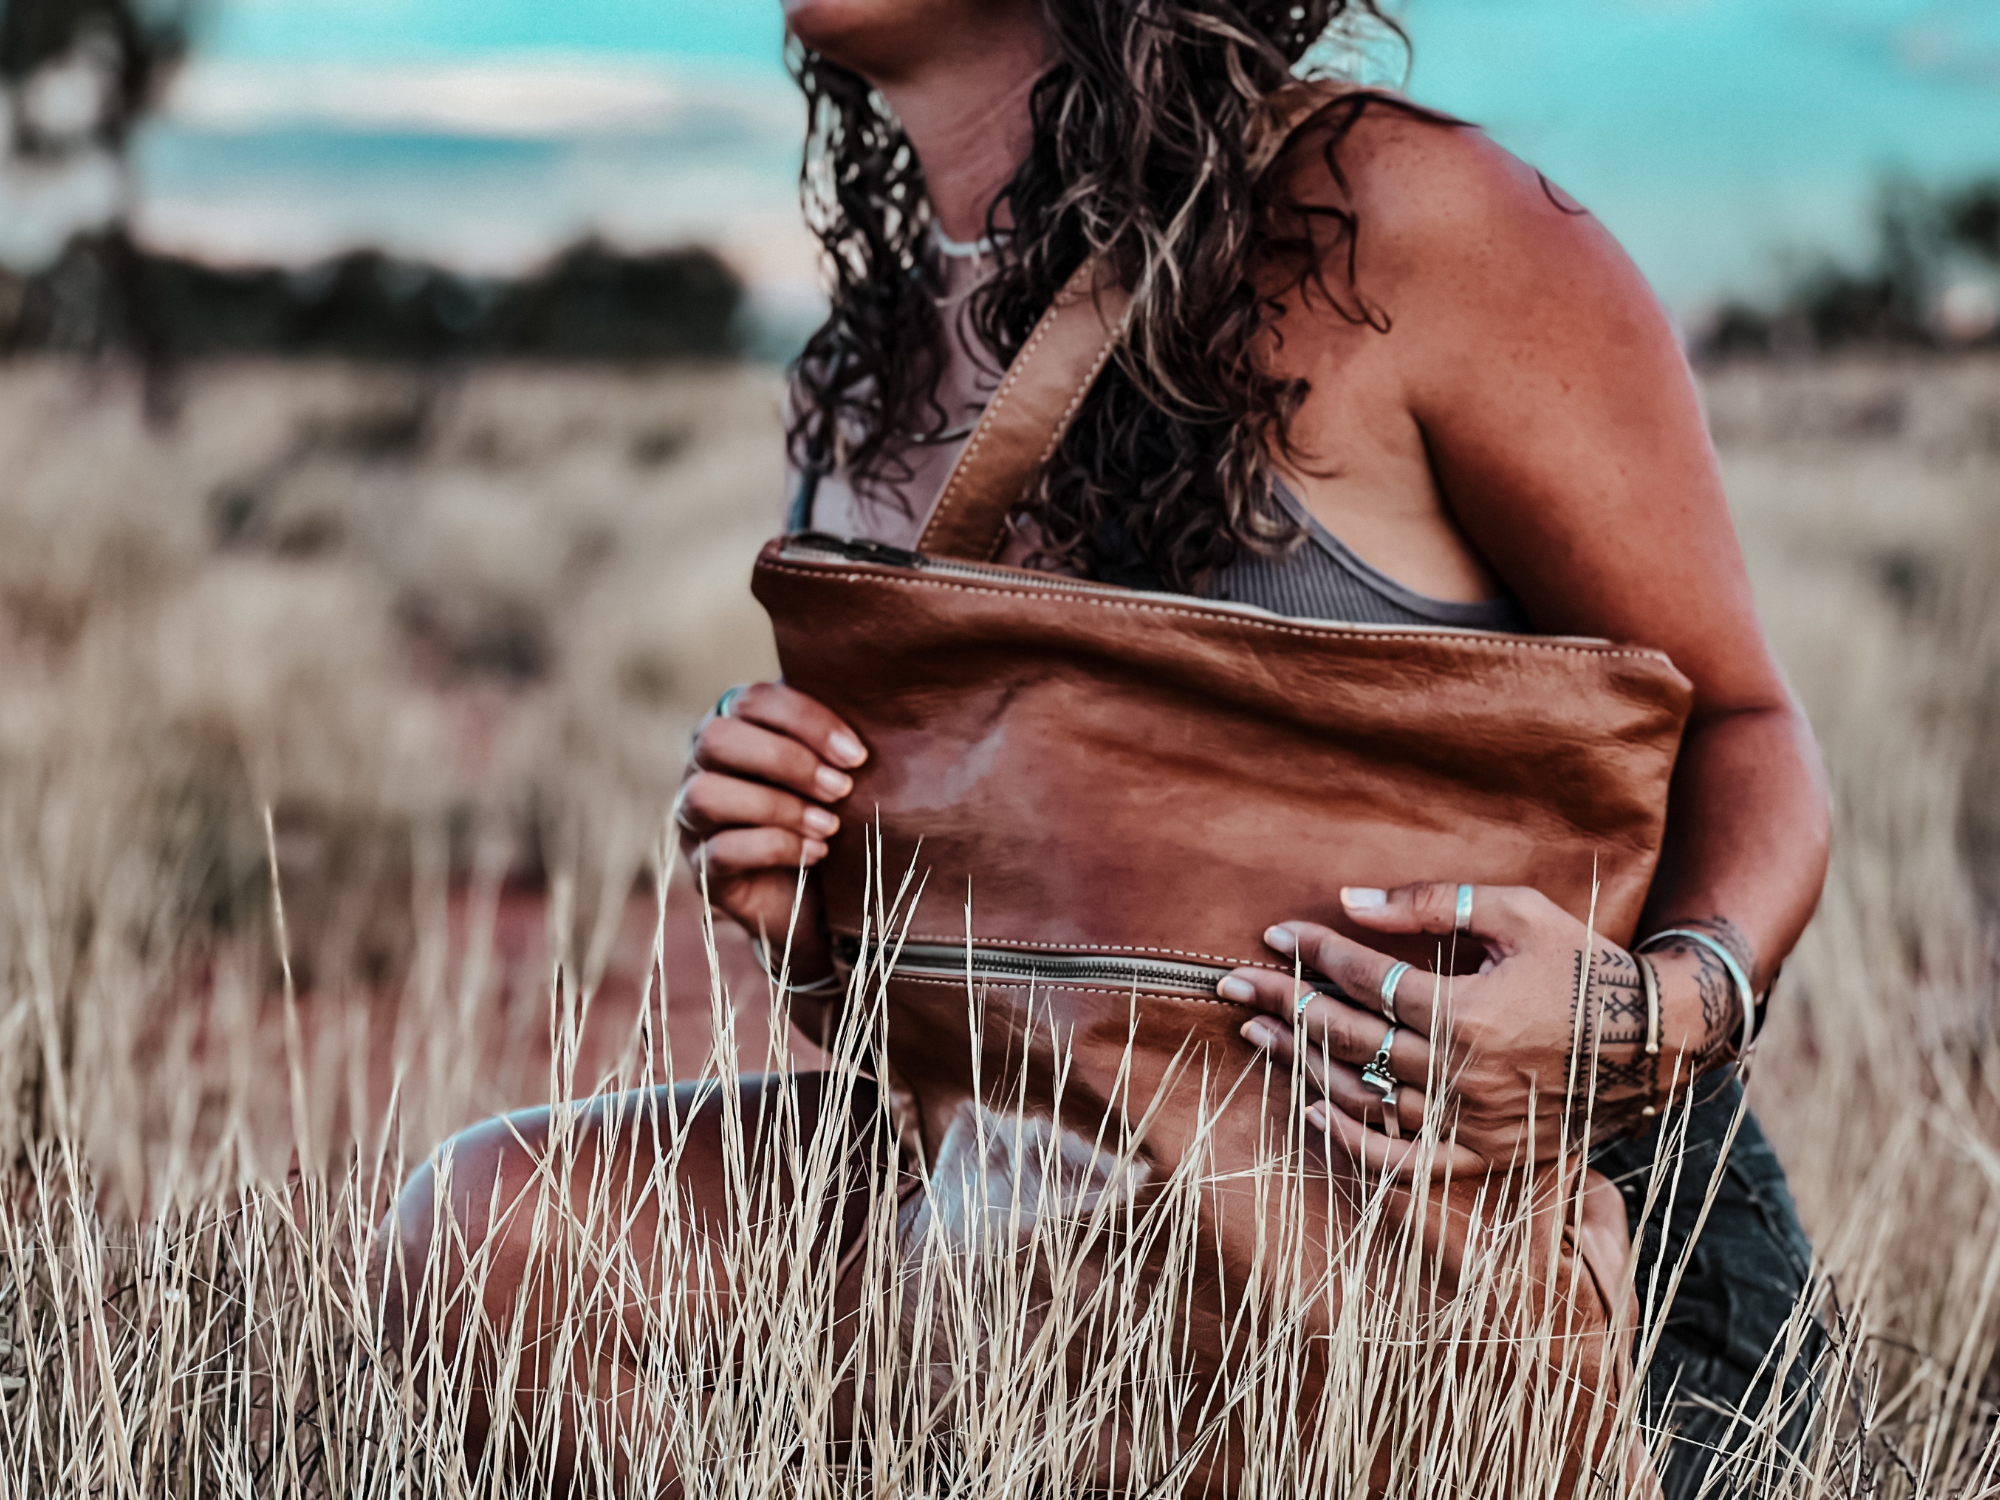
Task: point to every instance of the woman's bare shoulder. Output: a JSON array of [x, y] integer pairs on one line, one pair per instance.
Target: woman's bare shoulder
[[1556, 410], [1447, 224]]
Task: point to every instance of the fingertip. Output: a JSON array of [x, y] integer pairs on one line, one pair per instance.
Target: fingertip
[[1236, 987], [815, 851], [1361, 899], [845, 749], [1283, 939]]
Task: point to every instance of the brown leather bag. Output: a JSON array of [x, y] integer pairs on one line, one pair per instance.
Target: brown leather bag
[[1111, 794]]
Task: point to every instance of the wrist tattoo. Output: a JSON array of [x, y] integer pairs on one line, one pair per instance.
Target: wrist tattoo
[[1611, 1026], [1725, 932], [1722, 1015], [1610, 1034]]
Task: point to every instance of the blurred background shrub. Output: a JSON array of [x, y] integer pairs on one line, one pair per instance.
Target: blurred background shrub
[[106, 294], [1929, 283]]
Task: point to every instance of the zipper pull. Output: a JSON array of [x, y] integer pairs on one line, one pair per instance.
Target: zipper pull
[[857, 549]]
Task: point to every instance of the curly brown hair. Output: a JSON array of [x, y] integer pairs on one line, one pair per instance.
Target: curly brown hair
[[1154, 134]]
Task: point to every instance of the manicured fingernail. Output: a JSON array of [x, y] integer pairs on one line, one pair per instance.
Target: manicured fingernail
[[1242, 991], [832, 783], [1316, 1115], [815, 851], [1282, 939], [818, 820], [846, 748], [1259, 1034], [1364, 898]]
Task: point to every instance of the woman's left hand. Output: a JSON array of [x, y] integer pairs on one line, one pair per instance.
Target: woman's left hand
[[1517, 1076]]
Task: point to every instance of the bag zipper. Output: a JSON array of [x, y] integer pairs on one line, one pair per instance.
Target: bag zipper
[[862, 550], [1013, 966], [820, 546]]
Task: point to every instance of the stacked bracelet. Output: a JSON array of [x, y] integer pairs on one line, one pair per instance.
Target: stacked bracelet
[[817, 987], [1651, 982], [1744, 995]]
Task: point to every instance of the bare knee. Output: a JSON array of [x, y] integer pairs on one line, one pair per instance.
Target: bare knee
[[451, 1254]]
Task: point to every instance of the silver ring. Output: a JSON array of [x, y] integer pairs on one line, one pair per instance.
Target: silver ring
[[1388, 991], [1463, 921], [728, 700], [1299, 1009], [1376, 1073]]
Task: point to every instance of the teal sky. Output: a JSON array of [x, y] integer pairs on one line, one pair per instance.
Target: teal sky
[[1716, 137], [745, 31]]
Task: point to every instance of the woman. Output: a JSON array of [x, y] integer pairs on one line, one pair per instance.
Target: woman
[[1380, 371]]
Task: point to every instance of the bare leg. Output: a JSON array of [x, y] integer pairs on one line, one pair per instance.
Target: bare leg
[[559, 1234]]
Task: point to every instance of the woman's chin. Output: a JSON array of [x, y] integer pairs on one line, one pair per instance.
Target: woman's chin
[[891, 40], [855, 33]]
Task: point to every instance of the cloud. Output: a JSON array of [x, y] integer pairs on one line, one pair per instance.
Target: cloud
[[514, 98], [485, 165], [1955, 41], [1946, 52]]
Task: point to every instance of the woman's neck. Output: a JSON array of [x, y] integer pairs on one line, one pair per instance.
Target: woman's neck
[[968, 119]]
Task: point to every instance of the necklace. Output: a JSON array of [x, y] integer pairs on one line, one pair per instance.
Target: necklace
[[977, 249]]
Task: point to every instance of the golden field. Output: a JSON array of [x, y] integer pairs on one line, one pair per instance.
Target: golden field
[[452, 632]]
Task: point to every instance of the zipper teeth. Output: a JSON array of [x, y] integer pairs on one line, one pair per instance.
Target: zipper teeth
[[998, 575], [1007, 963], [797, 549], [919, 562]]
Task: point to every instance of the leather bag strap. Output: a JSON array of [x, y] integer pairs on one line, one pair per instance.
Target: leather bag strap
[[1038, 398], [1044, 387]]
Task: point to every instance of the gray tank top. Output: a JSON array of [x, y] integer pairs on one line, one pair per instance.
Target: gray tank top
[[1321, 579]]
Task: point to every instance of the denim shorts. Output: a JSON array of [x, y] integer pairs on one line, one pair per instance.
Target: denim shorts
[[1744, 1276]]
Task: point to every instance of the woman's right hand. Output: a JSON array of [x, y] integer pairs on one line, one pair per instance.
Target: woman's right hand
[[756, 806]]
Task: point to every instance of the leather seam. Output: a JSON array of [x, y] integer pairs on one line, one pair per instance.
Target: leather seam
[[1111, 948], [1045, 985], [1083, 390], [990, 420], [1328, 630]]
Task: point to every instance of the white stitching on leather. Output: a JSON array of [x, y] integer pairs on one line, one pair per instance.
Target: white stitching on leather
[[1109, 948], [1116, 336], [1001, 397], [958, 981], [1321, 632]]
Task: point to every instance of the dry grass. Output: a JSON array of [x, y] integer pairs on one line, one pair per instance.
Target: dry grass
[[454, 635]]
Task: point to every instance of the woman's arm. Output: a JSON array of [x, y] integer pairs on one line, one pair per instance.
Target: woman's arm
[[1568, 439], [1544, 389]]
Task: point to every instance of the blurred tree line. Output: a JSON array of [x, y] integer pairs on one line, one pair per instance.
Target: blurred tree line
[[77, 76], [1933, 280], [592, 302]]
